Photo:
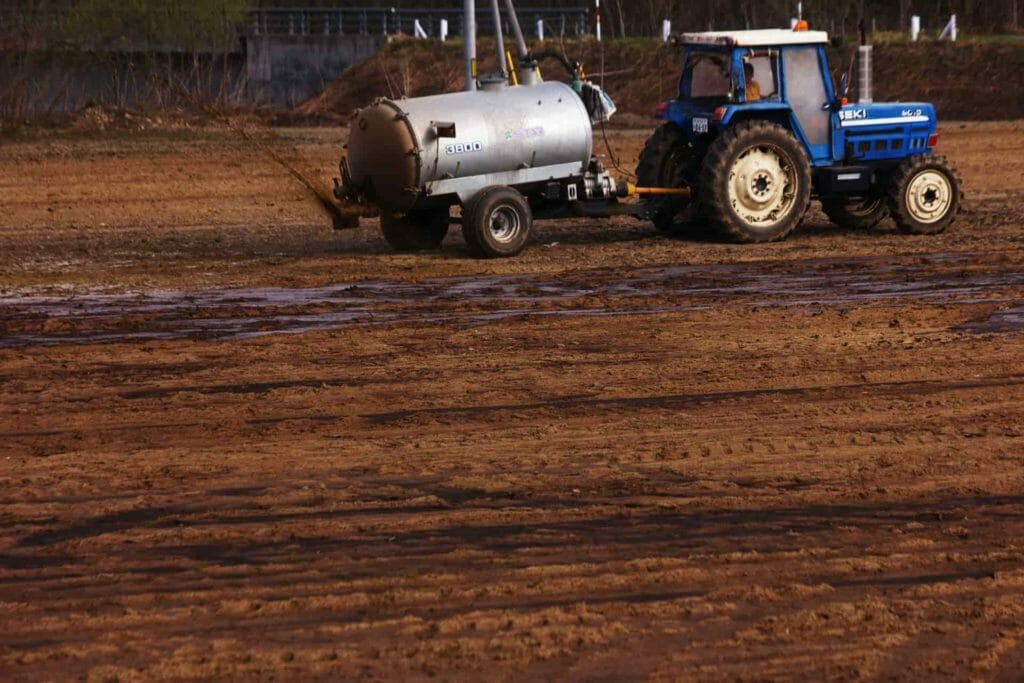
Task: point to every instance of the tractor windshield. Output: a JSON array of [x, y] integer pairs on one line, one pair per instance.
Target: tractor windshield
[[710, 76]]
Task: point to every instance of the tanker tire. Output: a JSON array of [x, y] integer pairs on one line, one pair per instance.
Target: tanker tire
[[756, 170], [668, 160], [417, 230], [855, 214], [925, 194], [497, 222]]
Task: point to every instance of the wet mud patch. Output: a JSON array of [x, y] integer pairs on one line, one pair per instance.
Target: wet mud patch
[[1001, 321], [247, 313]]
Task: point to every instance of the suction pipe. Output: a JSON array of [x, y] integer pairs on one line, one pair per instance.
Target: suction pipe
[[469, 42], [517, 31], [499, 38]]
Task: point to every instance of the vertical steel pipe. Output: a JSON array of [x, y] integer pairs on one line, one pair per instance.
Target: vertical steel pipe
[[499, 38], [469, 42], [517, 30]]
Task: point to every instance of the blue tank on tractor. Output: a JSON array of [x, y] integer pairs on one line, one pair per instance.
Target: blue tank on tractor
[[759, 128]]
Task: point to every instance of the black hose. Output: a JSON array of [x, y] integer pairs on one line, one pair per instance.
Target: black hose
[[571, 68]]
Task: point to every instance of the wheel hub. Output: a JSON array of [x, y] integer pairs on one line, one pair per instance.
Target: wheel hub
[[762, 185], [929, 195], [504, 224]]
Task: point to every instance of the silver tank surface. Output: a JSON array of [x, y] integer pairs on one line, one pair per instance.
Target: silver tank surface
[[400, 151]]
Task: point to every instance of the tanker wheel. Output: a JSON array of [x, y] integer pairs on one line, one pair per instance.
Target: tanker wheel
[[862, 213], [417, 230], [925, 195], [497, 222], [668, 160], [756, 182]]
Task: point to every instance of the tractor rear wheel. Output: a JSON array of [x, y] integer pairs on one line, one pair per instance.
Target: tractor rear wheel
[[925, 194], [756, 182], [862, 213], [497, 222], [668, 160], [417, 230]]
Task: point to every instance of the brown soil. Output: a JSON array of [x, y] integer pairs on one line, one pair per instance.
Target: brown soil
[[235, 444]]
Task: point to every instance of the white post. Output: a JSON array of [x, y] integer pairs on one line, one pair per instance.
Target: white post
[[417, 29], [469, 42], [800, 11], [597, 15], [540, 29], [950, 29], [915, 27], [443, 30], [666, 30]]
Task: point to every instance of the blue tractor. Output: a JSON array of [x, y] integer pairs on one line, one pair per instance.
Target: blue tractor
[[759, 128]]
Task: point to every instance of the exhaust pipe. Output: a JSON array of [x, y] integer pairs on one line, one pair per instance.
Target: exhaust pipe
[[864, 66], [864, 74]]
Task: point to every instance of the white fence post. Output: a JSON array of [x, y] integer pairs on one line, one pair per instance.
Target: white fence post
[[443, 31], [950, 29], [540, 29], [666, 30], [597, 14], [915, 27], [417, 29]]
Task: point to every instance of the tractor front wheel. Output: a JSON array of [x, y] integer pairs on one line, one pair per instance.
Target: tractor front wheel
[[417, 230], [756, 182], [925, 194], [862, 213]]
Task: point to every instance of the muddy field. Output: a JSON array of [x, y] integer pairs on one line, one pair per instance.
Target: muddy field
[[234, 443]]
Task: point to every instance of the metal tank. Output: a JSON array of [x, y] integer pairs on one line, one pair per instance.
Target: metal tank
[[401, 152]]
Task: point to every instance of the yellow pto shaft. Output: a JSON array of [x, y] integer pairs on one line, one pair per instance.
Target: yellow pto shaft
[[634, 191]]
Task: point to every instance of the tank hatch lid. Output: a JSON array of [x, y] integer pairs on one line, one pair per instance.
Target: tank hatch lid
[[758, 38]]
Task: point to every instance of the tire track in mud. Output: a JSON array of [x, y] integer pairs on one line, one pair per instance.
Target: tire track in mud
[[463, 574], [566, 406], [677, 401], [235, 314]]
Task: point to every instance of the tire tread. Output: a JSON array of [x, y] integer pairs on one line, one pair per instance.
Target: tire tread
[[897, 187], [715, 172]]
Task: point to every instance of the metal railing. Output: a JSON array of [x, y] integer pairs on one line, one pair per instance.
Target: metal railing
[[571, 21], [24, 28]]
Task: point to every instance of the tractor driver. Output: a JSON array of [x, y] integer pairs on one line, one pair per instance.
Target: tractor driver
[[753, 87]]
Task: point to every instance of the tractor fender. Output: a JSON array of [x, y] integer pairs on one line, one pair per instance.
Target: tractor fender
[[774, 112]]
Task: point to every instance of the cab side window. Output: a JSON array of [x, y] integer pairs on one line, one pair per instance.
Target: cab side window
[[765, 73]]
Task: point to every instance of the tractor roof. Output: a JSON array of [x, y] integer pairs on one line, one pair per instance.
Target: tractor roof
[[761, 38]]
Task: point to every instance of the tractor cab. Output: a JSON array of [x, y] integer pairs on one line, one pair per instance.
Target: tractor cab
[[773, 74], [776, 85]]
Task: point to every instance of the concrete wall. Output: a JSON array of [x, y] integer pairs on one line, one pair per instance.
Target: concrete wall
[[281, 71], [41, 83], [285, 70]]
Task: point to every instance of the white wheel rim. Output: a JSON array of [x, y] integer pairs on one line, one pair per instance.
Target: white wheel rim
[[929, 196], [504, 224], [762, 186]]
